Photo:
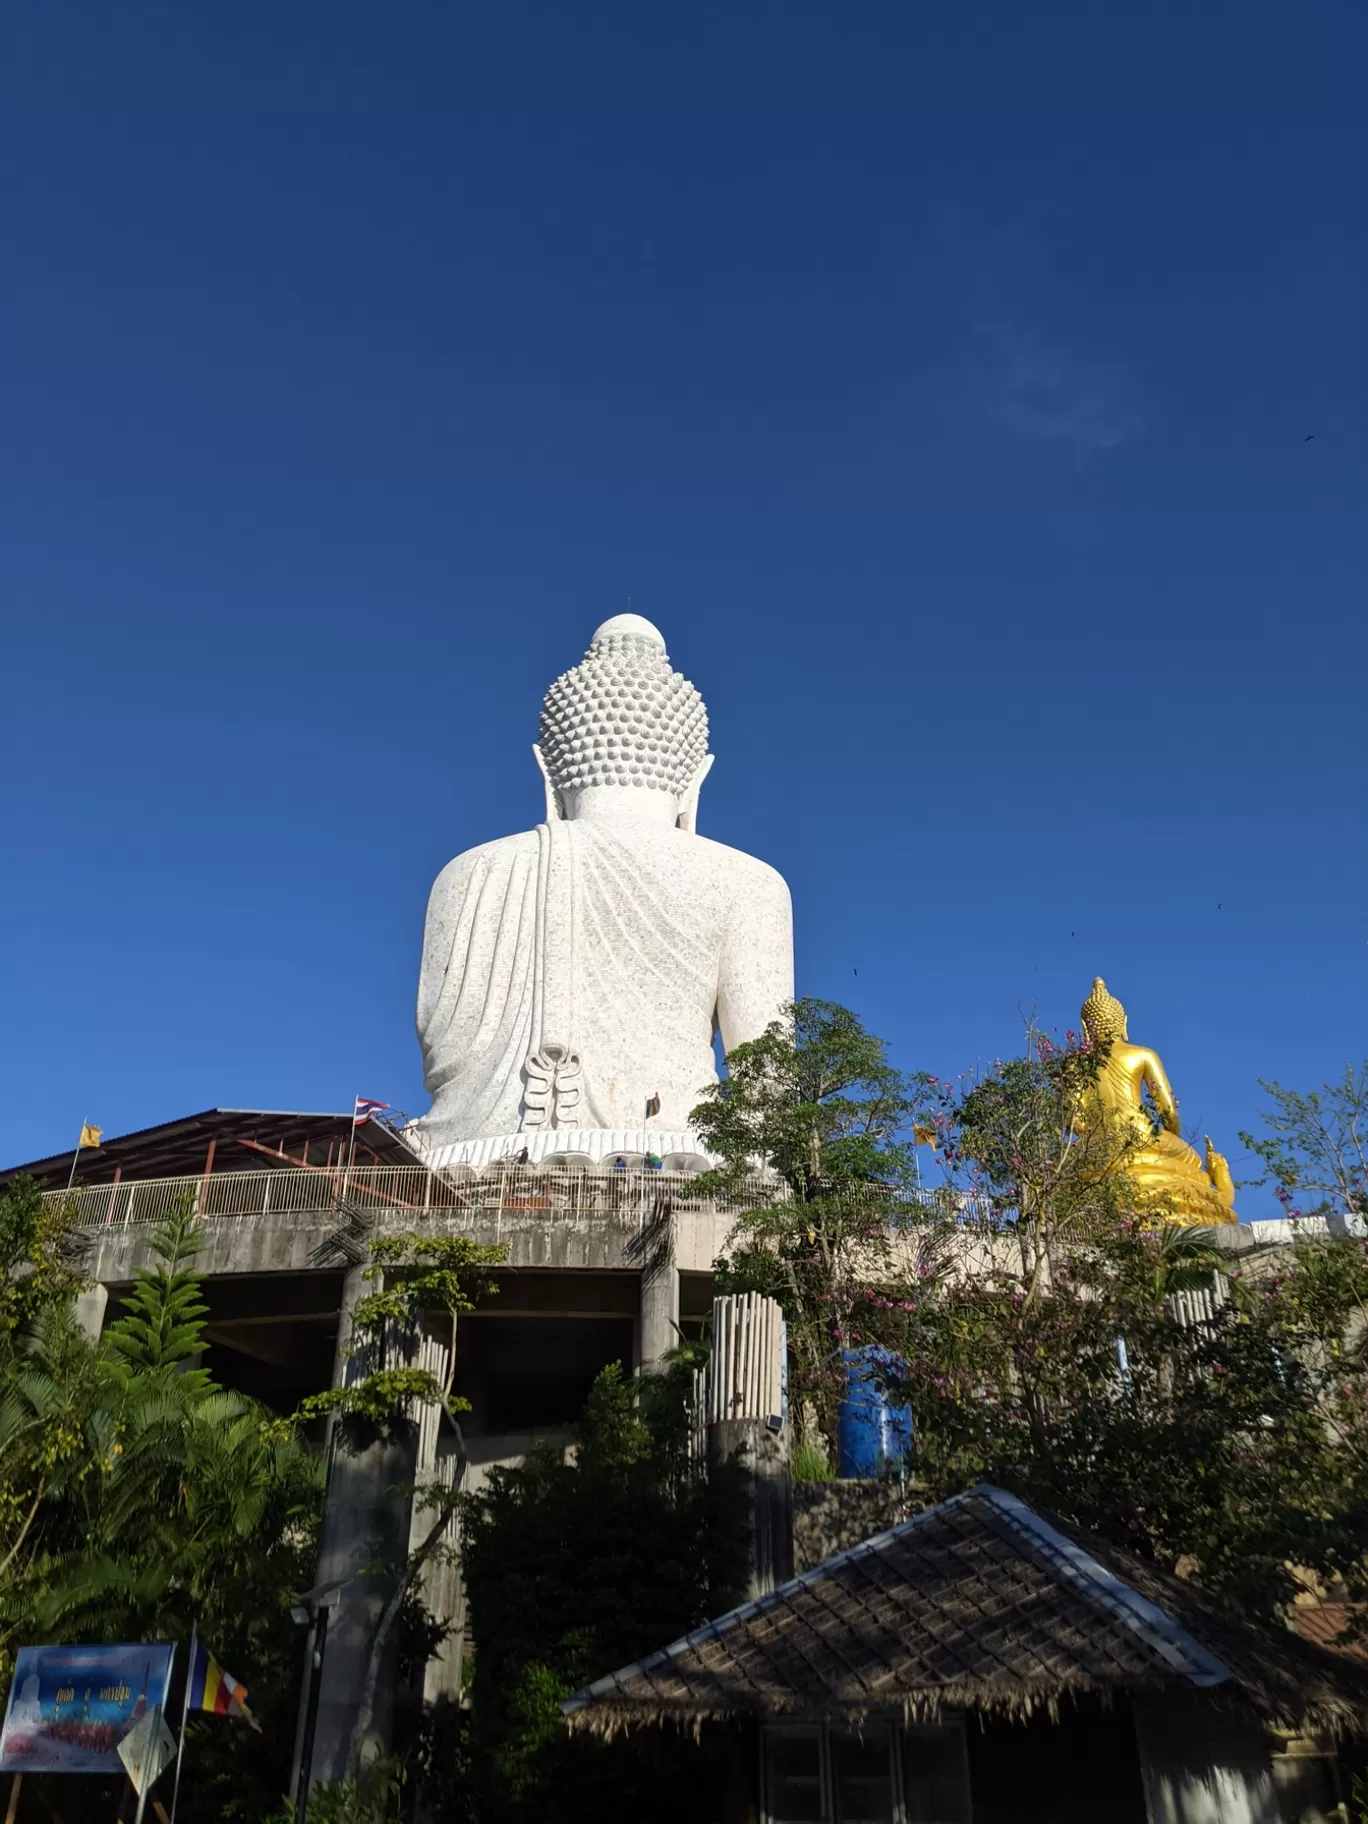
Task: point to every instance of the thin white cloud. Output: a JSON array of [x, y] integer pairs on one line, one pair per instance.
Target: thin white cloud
[[1051, 398], [1034, 381]]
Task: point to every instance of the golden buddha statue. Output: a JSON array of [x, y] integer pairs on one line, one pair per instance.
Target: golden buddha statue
[[1172, 1182]]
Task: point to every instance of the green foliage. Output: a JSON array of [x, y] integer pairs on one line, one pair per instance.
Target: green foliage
[[380, 1396], [161, 1324], [1314, 1150], [812, 1464], [417, 1277], [375, 1796], [815, 1102], [138, 1497], [51, 1426], [574, 1568], [36, 1249], [1019, 1162], [1236, 1448]]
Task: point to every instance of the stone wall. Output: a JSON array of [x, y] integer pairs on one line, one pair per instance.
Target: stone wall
[[830, 1517]]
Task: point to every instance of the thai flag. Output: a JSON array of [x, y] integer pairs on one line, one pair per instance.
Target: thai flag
[[365, 1108]]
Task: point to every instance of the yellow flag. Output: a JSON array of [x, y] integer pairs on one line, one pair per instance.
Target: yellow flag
[[90, 1136], [923, 1136]]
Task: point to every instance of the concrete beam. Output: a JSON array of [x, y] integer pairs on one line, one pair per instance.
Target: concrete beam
[[281, 1244]]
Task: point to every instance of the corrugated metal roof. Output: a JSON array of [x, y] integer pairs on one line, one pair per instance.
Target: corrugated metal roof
[[241, 1136]]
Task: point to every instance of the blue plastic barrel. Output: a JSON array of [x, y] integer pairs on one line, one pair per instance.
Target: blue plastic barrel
[[872, 1434]]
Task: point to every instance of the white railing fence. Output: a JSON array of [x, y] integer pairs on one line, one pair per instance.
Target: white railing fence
[[406, 1193]]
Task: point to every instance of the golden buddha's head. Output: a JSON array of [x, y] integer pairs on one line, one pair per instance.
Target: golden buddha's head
[[1104, 1018]]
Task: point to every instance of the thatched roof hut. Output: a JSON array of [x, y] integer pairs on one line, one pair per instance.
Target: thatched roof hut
[[977, 1605]]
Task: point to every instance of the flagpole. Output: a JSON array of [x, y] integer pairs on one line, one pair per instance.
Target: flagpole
[[146, 1786], [71, 1178], [185, 1712], [351, 1151]]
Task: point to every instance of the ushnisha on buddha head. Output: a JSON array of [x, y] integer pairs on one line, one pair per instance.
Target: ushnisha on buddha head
[[1104, 1018], [623, 735]]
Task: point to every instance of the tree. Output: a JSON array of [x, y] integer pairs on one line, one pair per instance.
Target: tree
[[1233, 1448], [1062, 1365], [141, 1497], [1021, 1165], [375, 1796], [1316, 1146], [39, 1254], [576, 1567], [816, 1104], [47, 1394]]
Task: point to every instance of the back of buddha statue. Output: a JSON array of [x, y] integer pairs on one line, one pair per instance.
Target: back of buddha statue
[[573, 976]]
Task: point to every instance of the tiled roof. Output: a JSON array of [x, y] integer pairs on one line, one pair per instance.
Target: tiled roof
[[978, 1603], [1328, 1625]]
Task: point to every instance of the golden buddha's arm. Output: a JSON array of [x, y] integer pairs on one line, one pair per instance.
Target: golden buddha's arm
[[1164, 1101]]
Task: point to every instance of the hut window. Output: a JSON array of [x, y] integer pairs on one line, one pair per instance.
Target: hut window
[[935, 1776], [820, 1775], [862, 1775], [794, 1786]]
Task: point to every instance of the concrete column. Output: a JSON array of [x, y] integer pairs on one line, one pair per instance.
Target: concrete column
[[89, 1310], [364, 1550], [763, 1456], [442, 1460], [362, 1554], [352, 1288], [659, 1327]]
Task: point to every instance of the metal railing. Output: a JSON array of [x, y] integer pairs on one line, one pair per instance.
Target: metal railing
[[397, 1192]]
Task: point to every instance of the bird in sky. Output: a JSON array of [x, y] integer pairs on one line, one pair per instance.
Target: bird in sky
[[1310, 437]]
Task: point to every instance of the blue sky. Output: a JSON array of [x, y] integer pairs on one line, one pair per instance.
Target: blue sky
[[938, 379]]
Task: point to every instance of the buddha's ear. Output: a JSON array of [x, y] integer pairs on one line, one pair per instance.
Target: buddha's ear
[[555, 811], [687, 819]]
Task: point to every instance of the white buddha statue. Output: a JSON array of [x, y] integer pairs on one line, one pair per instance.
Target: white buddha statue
[[573, 976]]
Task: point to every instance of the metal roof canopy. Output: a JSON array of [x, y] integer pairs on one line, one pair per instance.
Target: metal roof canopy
[[221, 1140]]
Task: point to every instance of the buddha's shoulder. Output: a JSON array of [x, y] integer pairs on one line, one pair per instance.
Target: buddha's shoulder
[[485, 856], [736, 864]]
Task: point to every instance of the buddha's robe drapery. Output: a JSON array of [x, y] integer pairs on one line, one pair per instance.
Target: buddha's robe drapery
[[621, 946]]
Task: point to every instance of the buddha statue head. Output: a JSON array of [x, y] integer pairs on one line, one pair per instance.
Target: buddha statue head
[[1104, 1018], [623, 736]]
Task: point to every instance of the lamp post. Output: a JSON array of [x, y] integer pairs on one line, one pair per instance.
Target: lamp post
[[310, 1612]]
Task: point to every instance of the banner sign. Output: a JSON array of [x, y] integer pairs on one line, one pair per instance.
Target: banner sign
[[70, 1707]]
